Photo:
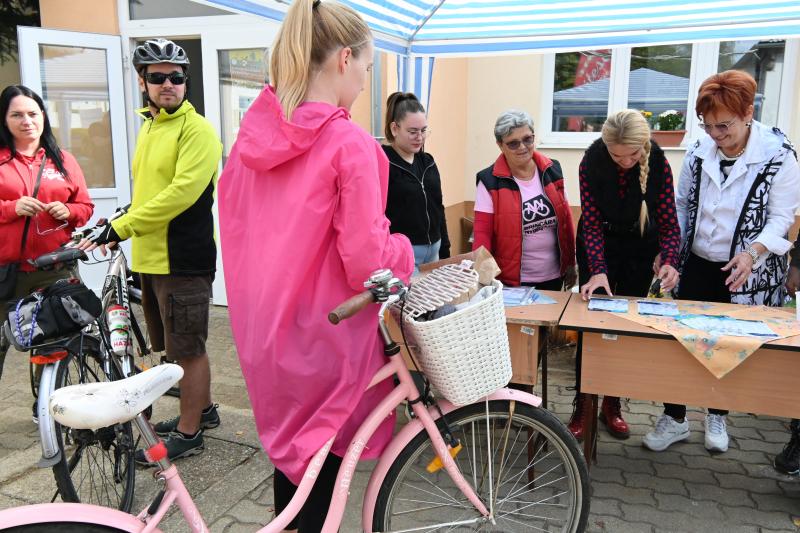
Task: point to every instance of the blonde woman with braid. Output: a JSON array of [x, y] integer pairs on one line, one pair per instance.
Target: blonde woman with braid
[[306, 185], [628, 223]]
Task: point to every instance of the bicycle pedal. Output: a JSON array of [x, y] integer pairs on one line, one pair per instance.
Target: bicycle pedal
[[436, 464]]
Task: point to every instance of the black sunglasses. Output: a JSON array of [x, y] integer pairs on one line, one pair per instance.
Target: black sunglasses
[[157, 78]]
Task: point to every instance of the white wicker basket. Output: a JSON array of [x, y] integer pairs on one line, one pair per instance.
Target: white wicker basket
[[465, 354]]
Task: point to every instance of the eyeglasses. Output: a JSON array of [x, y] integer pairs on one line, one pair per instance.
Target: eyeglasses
[[722, 126], [157, 78], [414, 132], [515, 144], [48, 230]]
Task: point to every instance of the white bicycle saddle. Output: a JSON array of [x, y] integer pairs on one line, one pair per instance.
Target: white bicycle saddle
[[97, 405]]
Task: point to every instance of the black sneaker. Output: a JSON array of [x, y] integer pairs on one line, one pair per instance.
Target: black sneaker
[[35, 410], [787, 461], [209, 419], [178, 447]]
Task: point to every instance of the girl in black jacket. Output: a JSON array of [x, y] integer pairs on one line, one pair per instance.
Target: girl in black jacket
[[414, 205]]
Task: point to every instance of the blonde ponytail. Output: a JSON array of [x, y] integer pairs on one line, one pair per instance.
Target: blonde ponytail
[[628, 127], [308, 35]]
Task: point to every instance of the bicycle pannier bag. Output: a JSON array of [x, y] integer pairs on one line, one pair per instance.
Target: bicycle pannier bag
[[61, 309]]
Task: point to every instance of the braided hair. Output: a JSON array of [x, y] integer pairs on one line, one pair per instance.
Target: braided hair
[[629, 128]]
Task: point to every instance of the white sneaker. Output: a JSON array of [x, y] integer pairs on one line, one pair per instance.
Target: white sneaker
[[667, 431], [716, 433]]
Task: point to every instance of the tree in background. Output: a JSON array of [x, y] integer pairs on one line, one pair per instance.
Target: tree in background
[[15, 13]]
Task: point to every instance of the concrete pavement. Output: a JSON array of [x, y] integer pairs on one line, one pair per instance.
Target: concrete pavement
[[634, 490]]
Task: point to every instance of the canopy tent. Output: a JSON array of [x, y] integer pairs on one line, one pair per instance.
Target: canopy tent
[[418, 30]]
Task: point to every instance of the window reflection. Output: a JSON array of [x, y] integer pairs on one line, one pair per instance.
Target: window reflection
[[764, 61], [75, 91], [580, 90], [242, 75], [659, 83]]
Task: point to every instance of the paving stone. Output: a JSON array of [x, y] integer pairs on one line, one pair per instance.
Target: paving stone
[[777, 502], [659, 484], [778, 437], [744, 515], [754, 457], [748, 483], [672, 456], [625, 464], [685, 473], [744, 432], [668, 520], [699, 509], [250, 512], [623, 493], [606, 475], [761, 423], [602, 506], [612, 524], [769, 448], [702, 491], [715, 464]]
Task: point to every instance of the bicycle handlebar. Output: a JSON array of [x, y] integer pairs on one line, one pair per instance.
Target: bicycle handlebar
[[58, 256], [93, 233], [351, 306]]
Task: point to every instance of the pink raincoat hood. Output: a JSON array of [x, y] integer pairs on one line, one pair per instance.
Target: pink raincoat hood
[[302, 226], [268, 140]]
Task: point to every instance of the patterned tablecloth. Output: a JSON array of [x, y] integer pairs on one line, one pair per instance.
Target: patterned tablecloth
[[719, 353]]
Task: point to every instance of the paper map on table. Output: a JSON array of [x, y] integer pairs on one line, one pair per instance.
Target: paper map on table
[[614, 305], [657, 307], [514, 296], [721, 336], [719, 325]]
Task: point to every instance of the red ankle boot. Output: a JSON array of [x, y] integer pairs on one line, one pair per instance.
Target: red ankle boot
[[611, 416], [580, 415]]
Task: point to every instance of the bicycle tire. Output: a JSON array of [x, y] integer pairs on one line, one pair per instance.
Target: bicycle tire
[[96, 467], [63, 527], [557, 480]]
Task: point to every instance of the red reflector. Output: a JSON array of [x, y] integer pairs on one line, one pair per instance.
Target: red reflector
[[47, 358], [157, 452]]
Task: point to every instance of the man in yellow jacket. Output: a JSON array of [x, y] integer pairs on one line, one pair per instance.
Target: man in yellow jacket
[[171, 227]]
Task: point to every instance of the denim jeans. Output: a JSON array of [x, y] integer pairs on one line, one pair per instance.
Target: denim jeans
[[425, 253]]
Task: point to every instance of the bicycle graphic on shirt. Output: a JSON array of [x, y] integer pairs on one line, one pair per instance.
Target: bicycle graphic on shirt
[[536, 209]]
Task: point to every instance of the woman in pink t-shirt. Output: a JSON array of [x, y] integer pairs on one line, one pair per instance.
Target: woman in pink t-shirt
[[521, 211]]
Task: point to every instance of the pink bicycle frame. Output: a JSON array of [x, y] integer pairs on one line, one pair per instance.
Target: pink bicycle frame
[[176, 492]]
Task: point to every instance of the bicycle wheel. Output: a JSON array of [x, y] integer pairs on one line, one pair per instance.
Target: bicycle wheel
[[96, 466], [63, 527], [539, 479]]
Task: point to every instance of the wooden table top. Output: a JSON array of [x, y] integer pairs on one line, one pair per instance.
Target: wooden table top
[[539, 314], [577, 316]]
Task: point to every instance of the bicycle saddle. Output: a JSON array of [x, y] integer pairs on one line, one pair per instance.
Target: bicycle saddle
[[97, 405], [58, 256]]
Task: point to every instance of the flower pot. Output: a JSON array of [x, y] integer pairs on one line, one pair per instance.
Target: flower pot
[[668, 138]]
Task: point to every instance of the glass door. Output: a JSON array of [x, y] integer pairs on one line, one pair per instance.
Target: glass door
[[235, 71], [79, 76]]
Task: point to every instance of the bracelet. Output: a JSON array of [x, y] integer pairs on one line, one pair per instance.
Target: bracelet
[[753, 255]]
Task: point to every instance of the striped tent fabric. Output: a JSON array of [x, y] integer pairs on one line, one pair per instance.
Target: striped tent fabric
[[470, 27], [419, 30]]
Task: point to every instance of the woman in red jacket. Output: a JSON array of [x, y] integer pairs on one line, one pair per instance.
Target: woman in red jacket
[[521, 212], [60, 204]]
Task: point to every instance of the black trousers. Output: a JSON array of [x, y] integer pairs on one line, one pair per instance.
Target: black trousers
[[312, 516], [702, 280], [630, 278], [550, 285]]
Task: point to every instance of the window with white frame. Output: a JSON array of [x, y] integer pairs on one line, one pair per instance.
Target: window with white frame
[[583, 88]]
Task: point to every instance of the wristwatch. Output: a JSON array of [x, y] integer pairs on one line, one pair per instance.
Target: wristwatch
[[753, 255]]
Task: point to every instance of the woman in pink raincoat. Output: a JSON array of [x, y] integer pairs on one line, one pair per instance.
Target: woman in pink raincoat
[[301, 202]]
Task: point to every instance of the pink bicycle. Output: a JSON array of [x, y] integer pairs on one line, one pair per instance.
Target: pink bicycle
[[500, 464]]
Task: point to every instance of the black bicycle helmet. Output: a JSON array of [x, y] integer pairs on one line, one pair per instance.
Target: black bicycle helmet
[[159, 50]]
